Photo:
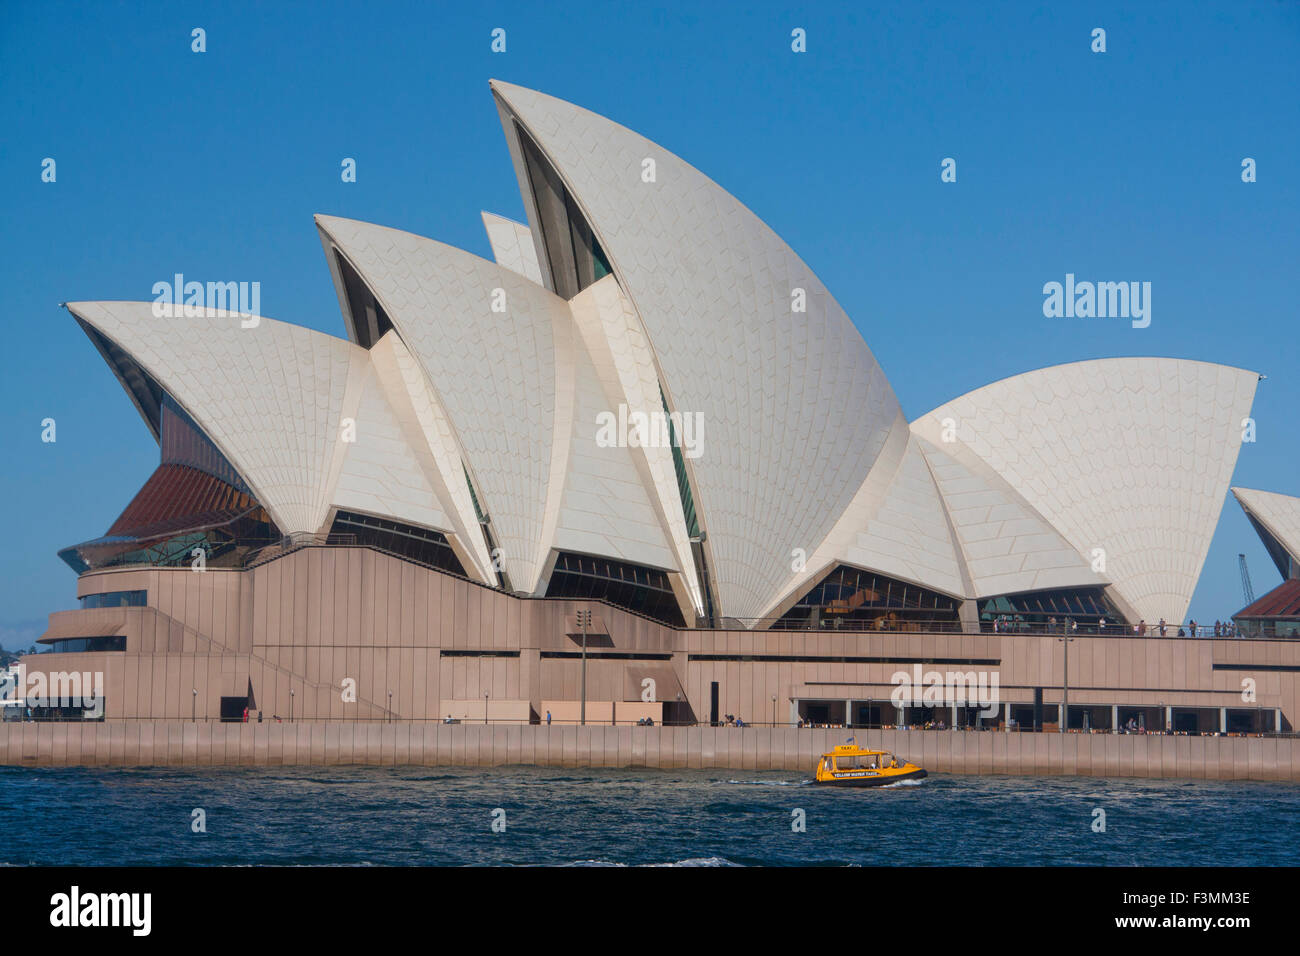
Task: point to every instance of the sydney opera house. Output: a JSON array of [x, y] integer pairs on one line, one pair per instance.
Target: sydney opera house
[[647, 407]]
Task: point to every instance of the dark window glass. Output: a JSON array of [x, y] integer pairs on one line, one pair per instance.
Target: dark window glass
[[406, 541], [634, 587], [81, 645], [863, 600], [369, 321], [115, 599]]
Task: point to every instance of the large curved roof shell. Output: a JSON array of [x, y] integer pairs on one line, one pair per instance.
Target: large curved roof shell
[[1277, 519], [1131, 456], [475, 390], [380, 475], [623, 364], [272, 397], [434, 448], [486, 338], [1007, 547], [512, 246], [795, 407], [403, 463], [895, 525], [604, 509]]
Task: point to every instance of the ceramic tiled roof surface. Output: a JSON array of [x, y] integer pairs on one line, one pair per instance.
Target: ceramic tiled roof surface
[[485, 336], [271, 397], [796, 409], [1109, 472], [1278, 514], [1128, 456]]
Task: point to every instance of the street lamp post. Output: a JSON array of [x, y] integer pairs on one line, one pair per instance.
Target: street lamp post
[[1065, 685], [485, 707], [773, 710], [390, 706], [290, 705], [584, 619], [194, 702]]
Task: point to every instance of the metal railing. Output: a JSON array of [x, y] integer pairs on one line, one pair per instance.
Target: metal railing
[[1011, 628]]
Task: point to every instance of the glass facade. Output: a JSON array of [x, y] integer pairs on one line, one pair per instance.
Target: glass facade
[[1044, 610], [683, 481], [632, 586], [115, 599], [573, 255], [145, 392], [369, 321], [80, 645], [1275, 614], [407, 541], [195, 499], [851, 598]]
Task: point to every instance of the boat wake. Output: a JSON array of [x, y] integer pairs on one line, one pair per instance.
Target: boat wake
[[769, 783]]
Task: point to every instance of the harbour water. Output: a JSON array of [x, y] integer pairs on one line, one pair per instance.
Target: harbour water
[[422, 816]]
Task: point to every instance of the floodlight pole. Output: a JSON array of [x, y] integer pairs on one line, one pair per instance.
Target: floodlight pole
[[1065, 686], [584, 618]]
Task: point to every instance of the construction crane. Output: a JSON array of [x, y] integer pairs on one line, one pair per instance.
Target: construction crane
[[1247, 591]]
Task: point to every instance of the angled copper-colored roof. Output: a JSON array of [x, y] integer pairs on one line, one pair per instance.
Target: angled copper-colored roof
[[1281, 602]]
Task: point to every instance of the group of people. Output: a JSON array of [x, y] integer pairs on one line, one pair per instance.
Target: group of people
[[1008, 623], [733, 721], [1011, 623], [1221, 629]]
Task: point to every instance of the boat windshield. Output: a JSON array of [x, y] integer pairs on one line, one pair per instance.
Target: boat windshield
[[860, 762]]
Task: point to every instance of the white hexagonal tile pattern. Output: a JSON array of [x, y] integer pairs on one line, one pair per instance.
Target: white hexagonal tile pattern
[[379, 474], [512, 246], [614, 341], [1279, 514], [494, 372], [796, 409], [272, 398], [1132, 456]]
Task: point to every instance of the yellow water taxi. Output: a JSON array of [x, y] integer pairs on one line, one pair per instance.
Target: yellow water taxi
[[849, 765]]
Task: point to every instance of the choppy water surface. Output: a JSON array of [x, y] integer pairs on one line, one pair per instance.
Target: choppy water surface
[[438, 816]]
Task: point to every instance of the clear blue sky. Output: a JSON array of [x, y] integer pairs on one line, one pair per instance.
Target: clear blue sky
[[1123, 165]]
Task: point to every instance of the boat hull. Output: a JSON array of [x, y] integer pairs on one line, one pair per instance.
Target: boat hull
[[870, 778]]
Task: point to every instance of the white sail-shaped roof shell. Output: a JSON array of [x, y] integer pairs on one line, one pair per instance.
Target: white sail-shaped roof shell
[[512, 246], [1106, 473], [486, 338], [271, 397], [614, 341], [521, 393], [380, 473], [1128, 459], [1277, 516], [796, 409], [1006, 546]]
